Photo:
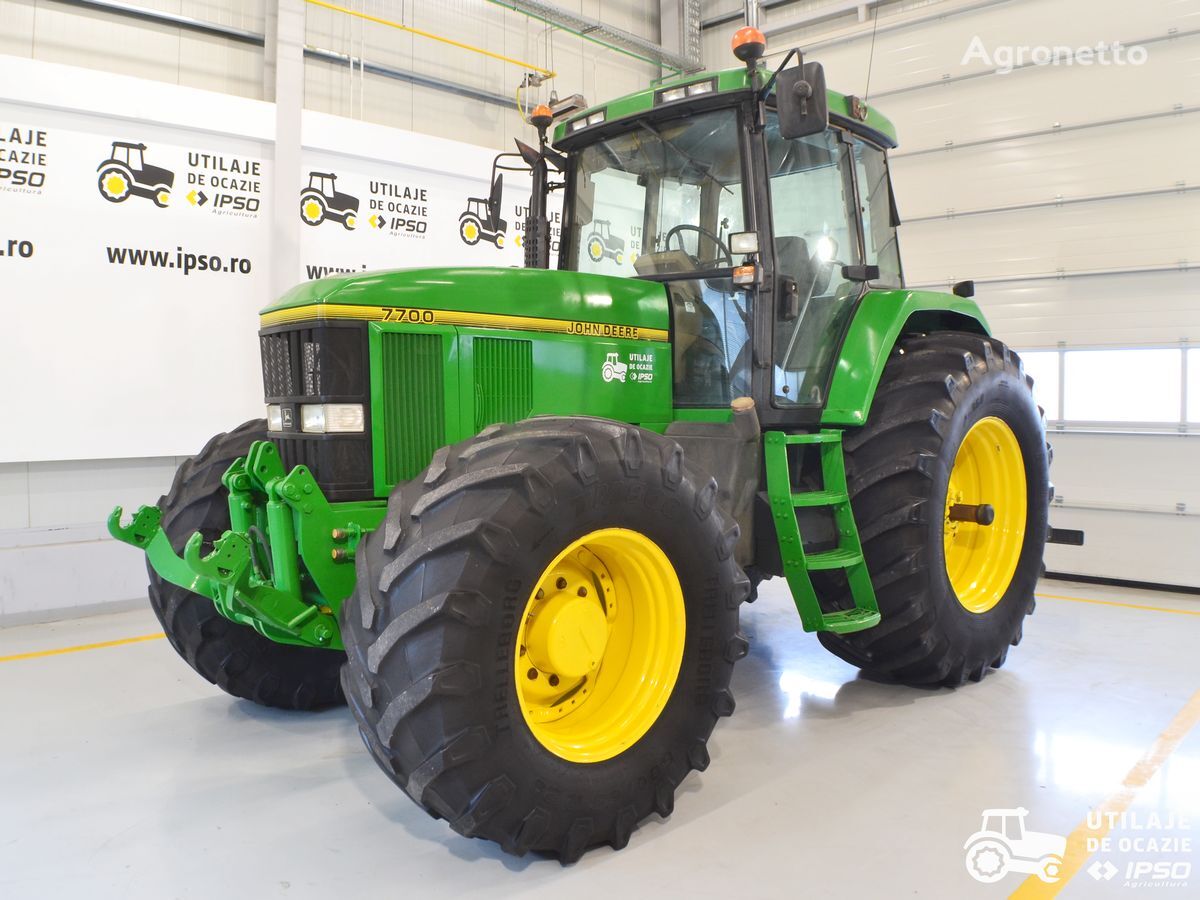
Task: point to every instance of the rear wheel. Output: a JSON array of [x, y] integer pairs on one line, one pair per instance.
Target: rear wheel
[[234, 657], [949, 481], [543, 630]]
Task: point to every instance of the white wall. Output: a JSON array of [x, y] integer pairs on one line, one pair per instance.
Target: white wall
[[54, 552], [1101, 196]]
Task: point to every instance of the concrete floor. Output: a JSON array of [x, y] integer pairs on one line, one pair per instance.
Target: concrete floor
[[125, 775]]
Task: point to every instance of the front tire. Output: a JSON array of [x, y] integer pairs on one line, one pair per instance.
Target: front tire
[[443, 622], [953, 424], [234, 657]]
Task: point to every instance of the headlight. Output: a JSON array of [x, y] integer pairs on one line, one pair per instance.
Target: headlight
[[672, 94], [700, 87], [274, 417], [596, 118], [331, 418]]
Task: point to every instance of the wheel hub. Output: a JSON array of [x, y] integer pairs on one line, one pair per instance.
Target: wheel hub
[[567, 634]]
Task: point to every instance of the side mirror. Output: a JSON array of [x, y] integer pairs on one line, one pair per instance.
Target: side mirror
[[964, 289], [860, 273], [801, 100]]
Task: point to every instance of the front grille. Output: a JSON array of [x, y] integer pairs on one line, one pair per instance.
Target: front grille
[[278, 378], [415, 403], [324, 363]]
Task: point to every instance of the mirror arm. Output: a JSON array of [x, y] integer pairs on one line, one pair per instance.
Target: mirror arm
[[766, 91]]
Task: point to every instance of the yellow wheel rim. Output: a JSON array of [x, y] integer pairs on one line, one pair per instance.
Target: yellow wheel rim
[[312, 210], [981, 559], [164, 197], [599, 645], [470, 232], [596, 250]]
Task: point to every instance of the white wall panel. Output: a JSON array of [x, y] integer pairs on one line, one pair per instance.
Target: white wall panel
[[92, 39], [933, 50], [217, 64], [1120, 310], [16, 27], [1113, 234], [14, 495], [1121, 490], [1037, 98], [1137, 156], [74, 492]]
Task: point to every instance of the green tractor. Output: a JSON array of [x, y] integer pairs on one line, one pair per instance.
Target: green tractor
[[524, 576]]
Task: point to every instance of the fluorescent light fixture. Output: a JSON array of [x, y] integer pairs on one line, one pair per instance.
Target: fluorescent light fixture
[[743, 242], [331, 418]]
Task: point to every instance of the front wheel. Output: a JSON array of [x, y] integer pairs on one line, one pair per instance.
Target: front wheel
[[949, 482], [232, 656], [543, 630]]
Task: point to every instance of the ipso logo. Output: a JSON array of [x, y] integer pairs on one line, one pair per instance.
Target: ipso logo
[[1153, 840], [1005, 58]]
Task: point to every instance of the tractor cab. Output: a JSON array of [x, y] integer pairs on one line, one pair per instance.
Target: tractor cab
[[324, 183], [764, 224], [132, 155]]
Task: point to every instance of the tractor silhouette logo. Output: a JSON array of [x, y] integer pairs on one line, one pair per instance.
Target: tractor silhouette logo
[[614, 369], [481, 220], [1002, 845], [602, 243], [321, 200], [126, 174]]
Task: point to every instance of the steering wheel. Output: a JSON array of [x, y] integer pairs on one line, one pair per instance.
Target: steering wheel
[[701, 230]]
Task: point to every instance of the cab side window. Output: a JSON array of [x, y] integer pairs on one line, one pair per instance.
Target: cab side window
[[878, 213], [813, 209]]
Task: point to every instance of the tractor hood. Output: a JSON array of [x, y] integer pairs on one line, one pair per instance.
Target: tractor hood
[[523, 299]]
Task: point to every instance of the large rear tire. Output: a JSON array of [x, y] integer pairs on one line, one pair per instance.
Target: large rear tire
[[953, 424], [484, 679], [234, 657]]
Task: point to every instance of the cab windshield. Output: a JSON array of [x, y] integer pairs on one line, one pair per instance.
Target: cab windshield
[[667, 194], [660, 201]]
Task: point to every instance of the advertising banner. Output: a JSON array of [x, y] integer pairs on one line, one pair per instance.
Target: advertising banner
[[136, 253]]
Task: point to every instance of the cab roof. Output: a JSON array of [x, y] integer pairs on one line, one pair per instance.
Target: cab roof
[[725, 81]]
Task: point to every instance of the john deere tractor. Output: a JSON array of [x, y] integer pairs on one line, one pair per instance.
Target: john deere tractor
[[524, 576]]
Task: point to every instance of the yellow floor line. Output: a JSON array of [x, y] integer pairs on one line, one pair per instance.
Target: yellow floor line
[[1139, 776], [1179, 612], [81, 647]]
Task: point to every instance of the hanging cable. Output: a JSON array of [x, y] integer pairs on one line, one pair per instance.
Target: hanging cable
[[379, 20]]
